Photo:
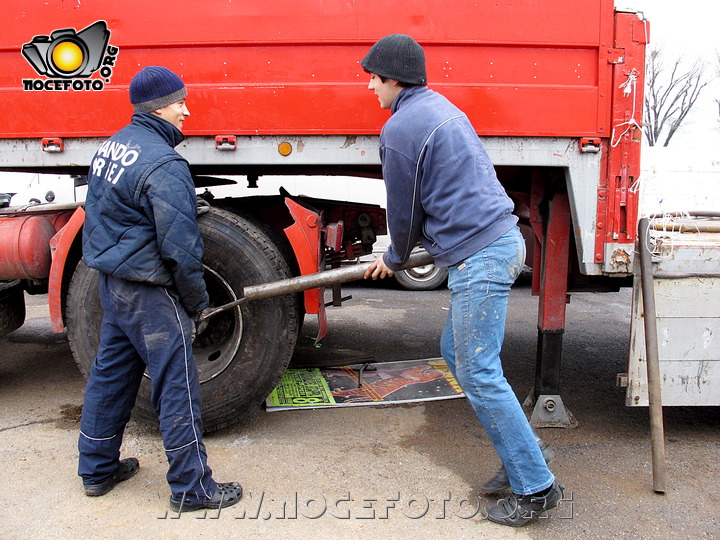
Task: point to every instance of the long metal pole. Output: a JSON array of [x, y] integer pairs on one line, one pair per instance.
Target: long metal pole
[[311, 281], [657, 435]]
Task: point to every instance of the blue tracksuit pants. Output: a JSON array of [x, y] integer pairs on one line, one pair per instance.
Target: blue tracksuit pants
[[144, 327]]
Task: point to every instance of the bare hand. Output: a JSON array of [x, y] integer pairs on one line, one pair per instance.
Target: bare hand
[[378, 269]]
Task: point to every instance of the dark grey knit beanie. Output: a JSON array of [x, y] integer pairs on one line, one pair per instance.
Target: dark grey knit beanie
[[398, 57]]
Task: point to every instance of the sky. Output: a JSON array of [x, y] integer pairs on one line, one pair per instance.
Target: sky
[[685, 176], [691, 29]]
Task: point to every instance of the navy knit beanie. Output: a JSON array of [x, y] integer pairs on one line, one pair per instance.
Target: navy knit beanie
[[155, 87], [398, 57]]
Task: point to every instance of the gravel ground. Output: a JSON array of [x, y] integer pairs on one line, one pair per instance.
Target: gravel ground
[[403, 471]]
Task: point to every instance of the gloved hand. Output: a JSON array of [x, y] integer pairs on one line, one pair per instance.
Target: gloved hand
[[204, 322], [199, 327], [203, 206]]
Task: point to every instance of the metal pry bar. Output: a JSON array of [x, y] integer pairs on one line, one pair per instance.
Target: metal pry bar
[[310, 281]]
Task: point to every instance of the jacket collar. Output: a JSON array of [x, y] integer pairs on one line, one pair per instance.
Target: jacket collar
[[405, 95], [172, 135]]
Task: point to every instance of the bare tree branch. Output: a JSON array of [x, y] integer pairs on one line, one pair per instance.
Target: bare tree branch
[[670, 94]]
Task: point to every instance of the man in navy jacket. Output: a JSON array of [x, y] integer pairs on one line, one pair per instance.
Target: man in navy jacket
[[443, 192], [141, 233]]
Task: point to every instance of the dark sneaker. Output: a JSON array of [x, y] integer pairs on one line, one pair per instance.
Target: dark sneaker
[[500, 482], [227, 494], [127, 468], [517, 510]]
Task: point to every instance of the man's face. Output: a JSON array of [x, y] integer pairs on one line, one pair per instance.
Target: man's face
[[386, 91], [175, 113]]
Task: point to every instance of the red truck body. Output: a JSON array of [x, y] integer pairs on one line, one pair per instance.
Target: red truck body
[[554, 88], [520, 68]]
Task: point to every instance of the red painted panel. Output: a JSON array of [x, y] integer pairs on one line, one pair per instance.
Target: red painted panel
[[304, 236], [525, 68], [60, 245], [554, 265], [617, 192]]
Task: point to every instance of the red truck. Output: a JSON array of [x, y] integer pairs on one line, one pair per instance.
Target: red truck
[[554, 88]]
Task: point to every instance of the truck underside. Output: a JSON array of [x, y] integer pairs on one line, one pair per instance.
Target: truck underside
[[247, 243], [558, 106]]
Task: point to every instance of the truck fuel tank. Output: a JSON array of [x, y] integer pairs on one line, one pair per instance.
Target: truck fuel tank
[[25, 247]]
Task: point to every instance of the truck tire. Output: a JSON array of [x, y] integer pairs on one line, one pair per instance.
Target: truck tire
[[12, 306], [242, 353]]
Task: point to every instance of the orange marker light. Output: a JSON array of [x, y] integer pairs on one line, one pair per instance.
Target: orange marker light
[[285, 148]]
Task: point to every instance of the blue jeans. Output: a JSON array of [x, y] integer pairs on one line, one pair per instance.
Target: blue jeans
[[471, 344], [144, 326]]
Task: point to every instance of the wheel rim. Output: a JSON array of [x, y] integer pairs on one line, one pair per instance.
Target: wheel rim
[[423, 273], [215, 347]]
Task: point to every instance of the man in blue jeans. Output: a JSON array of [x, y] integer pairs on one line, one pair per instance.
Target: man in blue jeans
[[141, 233], [442, 191]]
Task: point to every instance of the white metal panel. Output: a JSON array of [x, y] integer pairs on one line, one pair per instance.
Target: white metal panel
[[323, 149], [692, 339], [683, 383], [688, 322], [688, 349], [689, 297]]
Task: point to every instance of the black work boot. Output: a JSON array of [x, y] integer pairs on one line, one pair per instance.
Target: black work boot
[[518, 510], [126, 469], [500, 482]]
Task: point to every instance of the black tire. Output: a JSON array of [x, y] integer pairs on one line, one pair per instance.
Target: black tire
[[243, 352], [12, 306]]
